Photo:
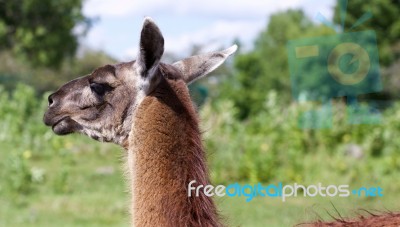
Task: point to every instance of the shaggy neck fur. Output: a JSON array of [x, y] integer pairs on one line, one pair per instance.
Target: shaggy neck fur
[[165, 154]]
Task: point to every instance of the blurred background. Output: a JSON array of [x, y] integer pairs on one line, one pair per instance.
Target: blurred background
[[249, 118]]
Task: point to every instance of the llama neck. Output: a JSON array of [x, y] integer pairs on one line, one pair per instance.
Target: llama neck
[[166, 153]]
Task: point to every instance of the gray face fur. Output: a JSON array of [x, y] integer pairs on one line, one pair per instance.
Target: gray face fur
[[102, 104], [98, 105]]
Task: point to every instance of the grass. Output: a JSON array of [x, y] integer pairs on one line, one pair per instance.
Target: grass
[[94, 194], [48, 180], [273, 212], [81, 188]]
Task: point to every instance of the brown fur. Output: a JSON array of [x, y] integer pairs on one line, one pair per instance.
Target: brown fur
[[370, 220], [168, 155]]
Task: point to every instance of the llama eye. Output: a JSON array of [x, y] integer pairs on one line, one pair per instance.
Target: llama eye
[[99, 89]]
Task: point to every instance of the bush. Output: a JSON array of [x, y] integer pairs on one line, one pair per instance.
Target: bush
[[270, 147], [26, 141]]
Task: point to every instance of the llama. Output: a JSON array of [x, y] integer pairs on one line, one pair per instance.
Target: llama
[[144, 106]]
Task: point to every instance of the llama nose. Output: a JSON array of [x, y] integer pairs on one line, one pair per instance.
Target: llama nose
[[51, 100]]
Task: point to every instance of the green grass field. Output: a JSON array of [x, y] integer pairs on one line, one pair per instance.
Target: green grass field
[[48, 180], [85, 187]]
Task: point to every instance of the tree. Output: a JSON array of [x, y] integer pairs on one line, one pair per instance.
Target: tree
[[42, 31], [14, 71], [266, 67], [384, 22]]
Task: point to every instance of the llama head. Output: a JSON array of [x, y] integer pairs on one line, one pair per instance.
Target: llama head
[[103, 103]]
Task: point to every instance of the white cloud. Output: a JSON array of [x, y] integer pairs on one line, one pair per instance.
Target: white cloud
[[109, 8], [215, 22], [219, 33], [208, 8]]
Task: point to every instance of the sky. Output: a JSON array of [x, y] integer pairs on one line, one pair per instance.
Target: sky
[[209, 23]]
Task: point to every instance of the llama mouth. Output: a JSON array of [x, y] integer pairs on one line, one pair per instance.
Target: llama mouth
[[58, 121], [58, 126], [65, 126]]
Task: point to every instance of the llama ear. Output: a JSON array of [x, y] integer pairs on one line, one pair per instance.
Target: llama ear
[[151, 50], [198, 66]]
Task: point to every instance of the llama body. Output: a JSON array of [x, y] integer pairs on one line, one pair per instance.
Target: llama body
[[144, 106]]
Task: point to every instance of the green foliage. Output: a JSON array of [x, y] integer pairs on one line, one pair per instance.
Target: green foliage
[[265, 67], [24, 139], [39, 168], [41, 31], [251, 126], [270, 147], [45, 79], [384, 22]]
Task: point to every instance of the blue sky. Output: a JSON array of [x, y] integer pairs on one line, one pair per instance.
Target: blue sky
[[211, 23]]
